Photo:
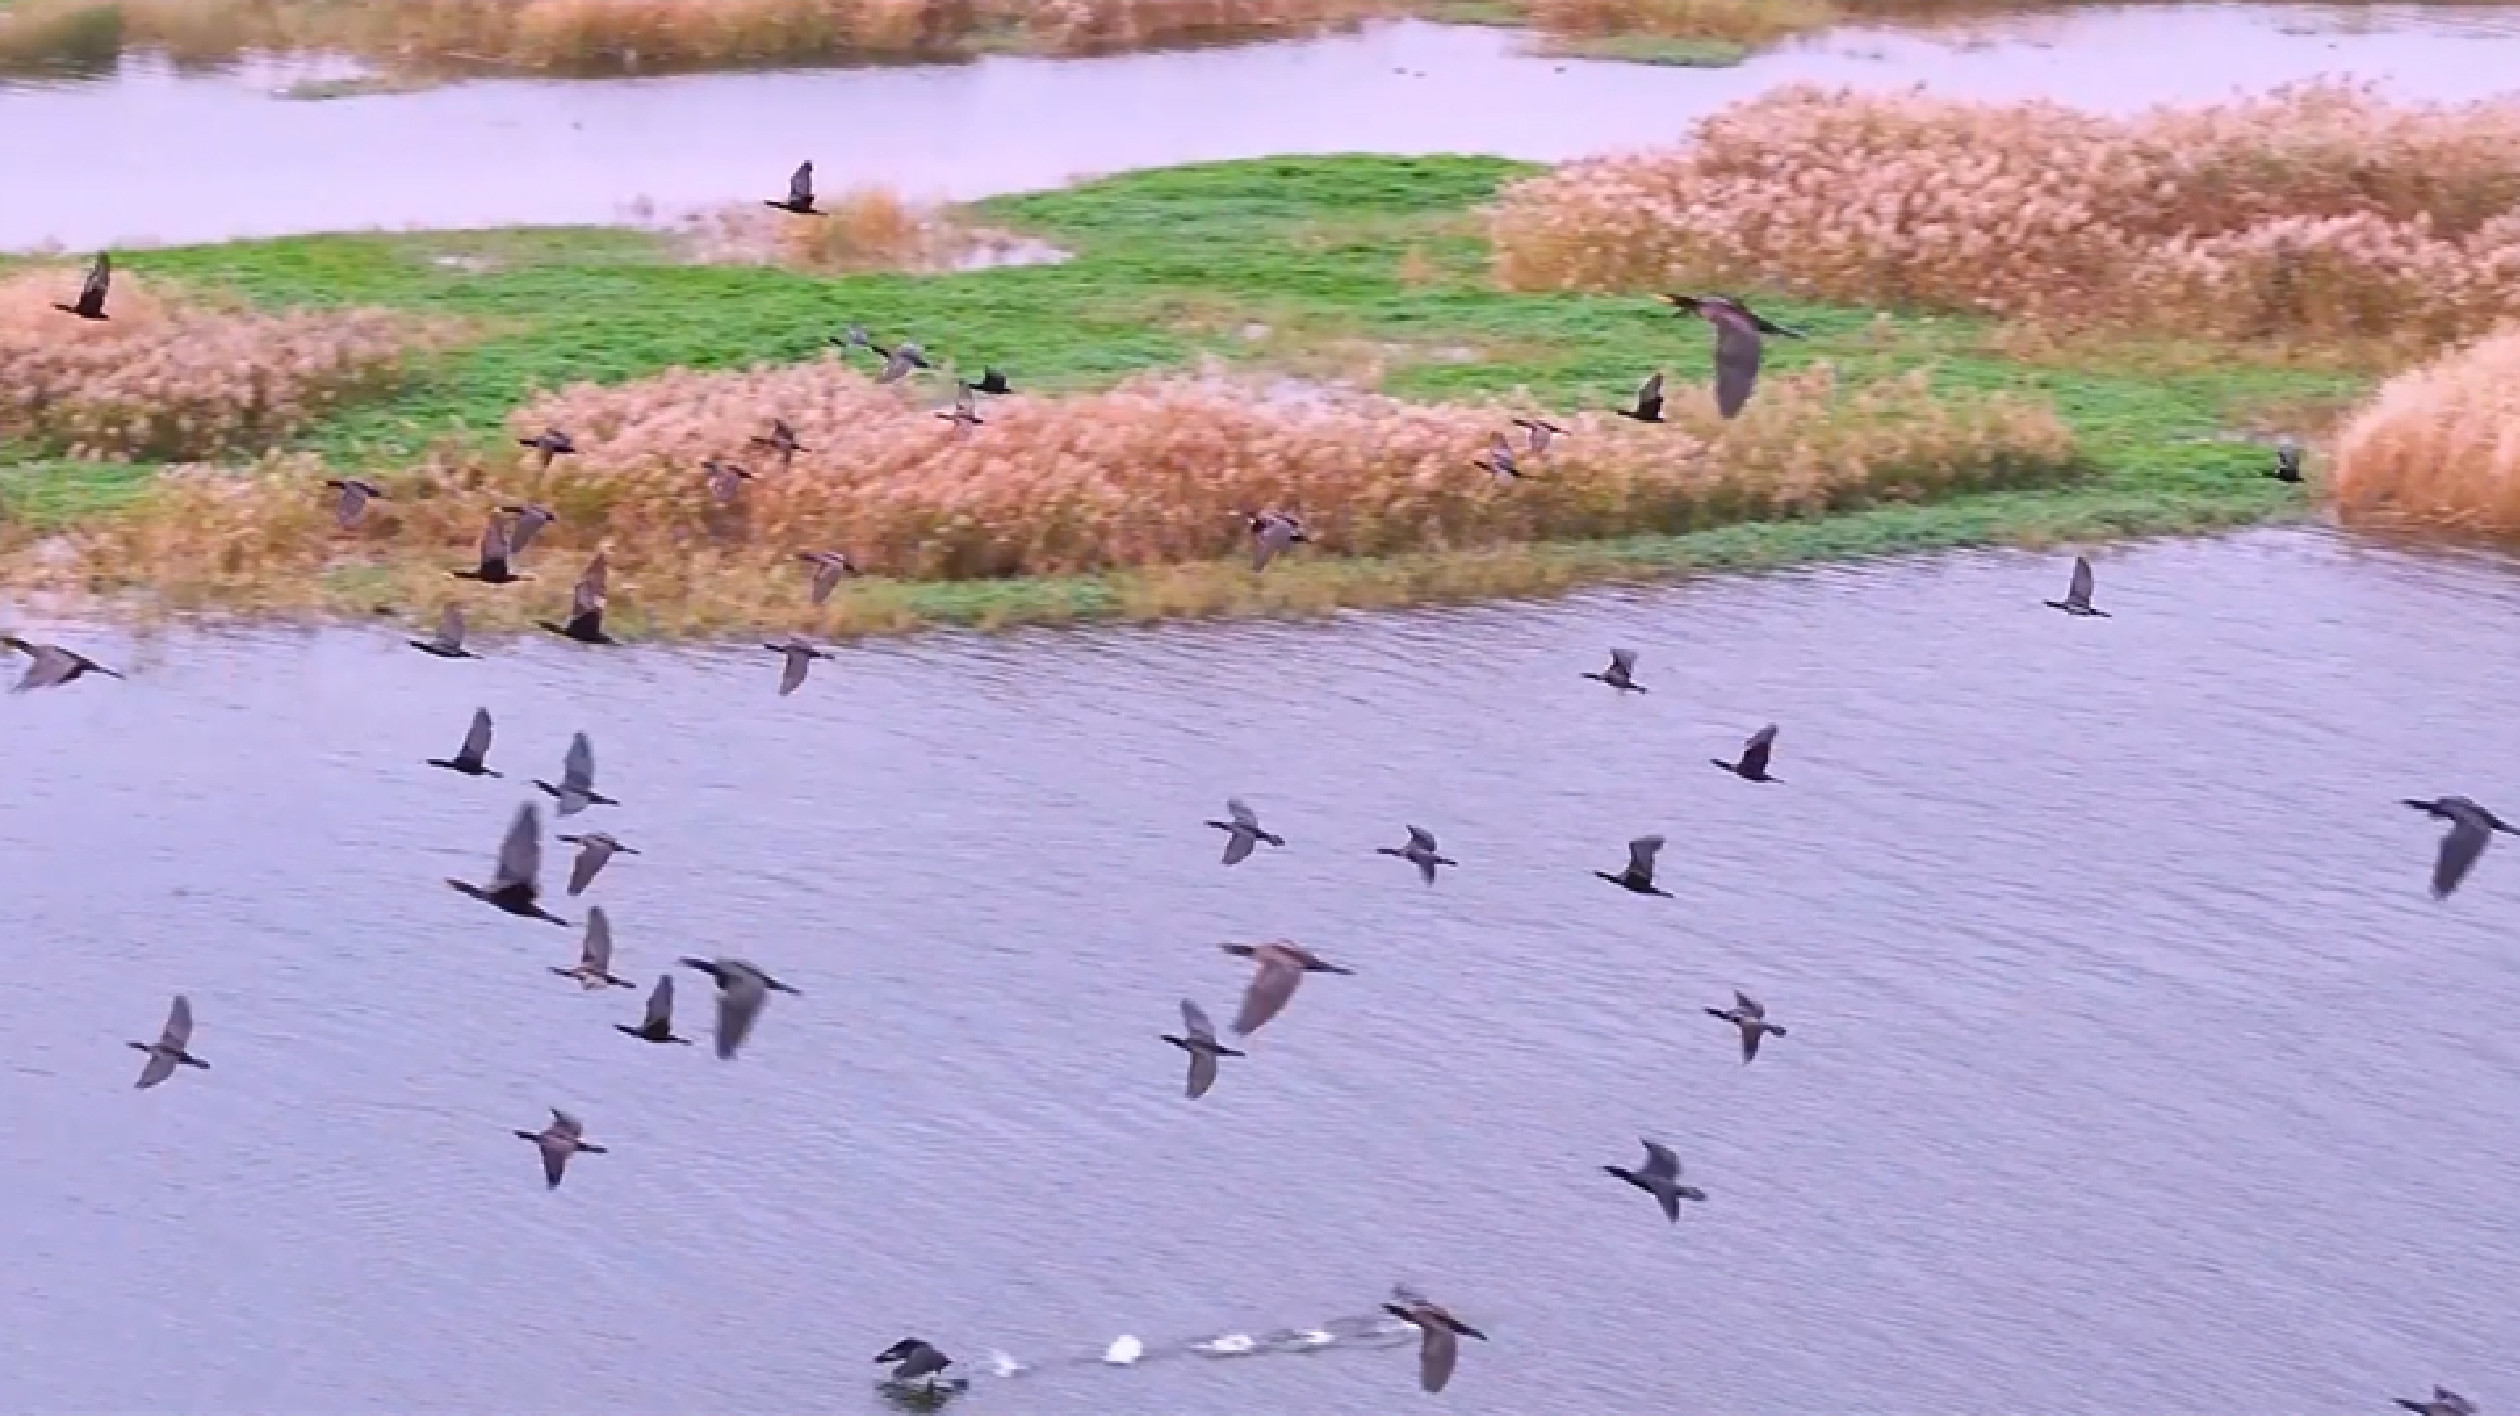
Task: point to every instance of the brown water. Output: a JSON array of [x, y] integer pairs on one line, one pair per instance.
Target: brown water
[[2130, 1067], [148, 156]]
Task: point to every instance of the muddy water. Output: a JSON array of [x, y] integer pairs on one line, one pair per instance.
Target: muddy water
[[148, 156], [2129, 1068]]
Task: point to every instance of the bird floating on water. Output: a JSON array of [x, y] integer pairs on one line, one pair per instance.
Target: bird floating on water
[[799, 659], [2287, 466], [1738, 346], [448, 642], [2077, 599], [169, 1051], [1499, 462], [2471, 827], [800, 197], [1621, 674], [531, 518], [577, 779], [1199, 1040], [595, 851], [563, 1138], [2444, 1402], [586, 605], [1747, 1015], [656, 1024], [1282, 965], [1660, 1178], [594, 965], [494, 567], [914, 1360], [1242, 830], [51, 665], [965, 414], [1421, 852], [743, 988], [516, 881], [725, 478], [469, 758], [1649, 402], [1439, 1345], [351, 499], [1541, 431], [92, 291], [1753, 766], [1639, 875], [549, 443], [1271, 533], [830, 567]]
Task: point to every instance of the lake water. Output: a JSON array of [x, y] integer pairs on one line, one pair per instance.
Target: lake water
[[2130, 1066], [150, 156]]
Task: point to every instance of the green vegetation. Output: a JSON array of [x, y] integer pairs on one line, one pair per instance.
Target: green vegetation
[[1324, 266]]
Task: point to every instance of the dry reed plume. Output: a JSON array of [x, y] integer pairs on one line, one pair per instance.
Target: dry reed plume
[[1148, 475], [167, 378], [2315, 215], [619, 34], [2439, 445]]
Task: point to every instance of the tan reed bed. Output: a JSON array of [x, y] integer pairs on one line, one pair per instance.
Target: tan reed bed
[[1146, 481], [611, 35], [174, 377], [2438, 446], [2320, 215]]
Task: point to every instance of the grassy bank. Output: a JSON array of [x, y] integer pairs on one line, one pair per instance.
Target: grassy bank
[[1364, 273]]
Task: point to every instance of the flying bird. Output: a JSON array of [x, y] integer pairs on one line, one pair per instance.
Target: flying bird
[[657, 1023], [2077, 599], [1753, 766], [1661, 1179], [991, 382], [494, 567], [586, 605], [352, 494], [913, 1360], [900, 360], [1420, 852], [2287, 462], [2445, 1402], [1541, 431], [1282, 965], [516, 881], [1439, 1343], [1242, 831], [563, 1138], [92, 291], [1737, 344], [965, 414], [1747, 1015], [531, 518], [577, 779], [854, 337], [800, 657], [800, 197], [1271, 533], [51, 665], [595, 851], [448, 642], [594, 965], [725, 478], [549, 443], [742, 990], [781, 442], [169, 1051], [1199, 1040], [1621, 674], [2471, 827], [1639, 875], [1649, 402], [829, 568], [1499, 462], [468, 759]]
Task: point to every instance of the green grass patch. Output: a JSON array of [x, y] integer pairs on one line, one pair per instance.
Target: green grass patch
[[1670, 51]]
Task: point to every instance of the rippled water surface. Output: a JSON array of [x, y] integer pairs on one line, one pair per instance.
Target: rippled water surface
[[149, 156], [2130, 1067]]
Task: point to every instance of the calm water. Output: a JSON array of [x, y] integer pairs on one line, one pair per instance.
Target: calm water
[[2130, 1069], [149, 156]]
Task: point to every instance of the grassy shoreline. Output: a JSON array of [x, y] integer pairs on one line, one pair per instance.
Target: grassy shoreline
[[1358, 270]]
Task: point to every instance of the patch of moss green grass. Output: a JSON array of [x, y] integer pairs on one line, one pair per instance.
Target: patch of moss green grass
[[1324, 253], [1669, 51]]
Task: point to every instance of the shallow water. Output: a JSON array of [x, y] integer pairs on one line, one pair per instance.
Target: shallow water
[[2130, 1067], [149, 156]]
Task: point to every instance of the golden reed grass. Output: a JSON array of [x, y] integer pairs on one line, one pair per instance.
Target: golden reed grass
[[175, 379], [1145, 477], [2439, 445], [614, 34], [2312, 215]]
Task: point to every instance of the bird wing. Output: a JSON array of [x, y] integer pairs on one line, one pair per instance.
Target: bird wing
[[477, 737], [1751, 1034], [897, 364], [588, 597], [100, 279], [800, 661], [1623, 661], [530, 520], [1194, 1020], [450, 633], [177, 1034], [1641, 853], [1422, 838], [1238, 843], [591, 856], [353, 500], [1242, 814], [596, 952], [578, 768], [1649, 396], [1271, 987], [520, 855], [494, 545], [826, 580], [801, 185], [1737, 350], [1754, 753], [1202, 1073], [1438, 1349], [739, 1002], [1747, 1006], [1660, 1162], [564, 1125], [555, 1161], [52, 665], [2078, 590], [660, 1004], [1269, 536], [158, 1068], [2459, 850]]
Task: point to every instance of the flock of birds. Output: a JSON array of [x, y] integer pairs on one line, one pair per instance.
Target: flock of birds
[[1279, 967]]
